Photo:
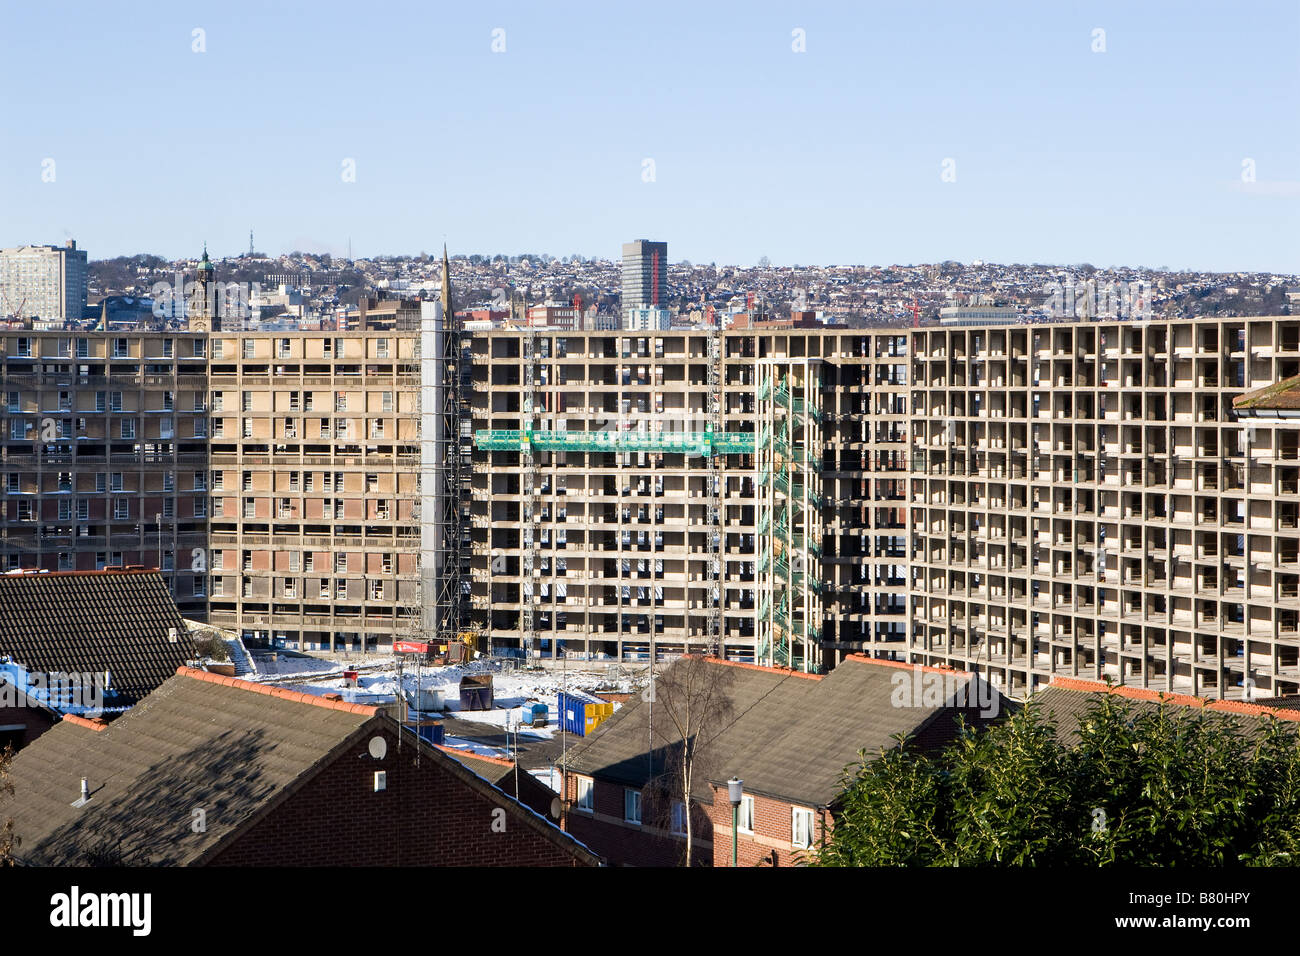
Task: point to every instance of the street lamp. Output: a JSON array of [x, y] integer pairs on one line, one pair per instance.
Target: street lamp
[[735, 791]]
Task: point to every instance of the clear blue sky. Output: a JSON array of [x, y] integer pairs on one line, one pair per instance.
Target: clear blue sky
[[1132, 156]]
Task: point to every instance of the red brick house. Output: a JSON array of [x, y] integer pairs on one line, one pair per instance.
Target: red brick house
[[216, 771], [789, 740]]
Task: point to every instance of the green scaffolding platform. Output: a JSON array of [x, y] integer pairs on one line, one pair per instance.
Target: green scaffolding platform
[[704, 444]]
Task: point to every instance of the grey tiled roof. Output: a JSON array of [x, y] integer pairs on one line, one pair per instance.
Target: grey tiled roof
[[193, 743], [791, 737], [95, 621]]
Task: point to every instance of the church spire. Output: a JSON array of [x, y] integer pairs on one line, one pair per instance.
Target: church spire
[[446, 285]]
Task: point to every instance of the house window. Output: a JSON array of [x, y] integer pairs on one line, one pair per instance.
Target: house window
[[83, 348], [218, 428], [341, 589], [217, 348], [747, 814], [128, 428], [65, 509], [101, 482], [248, 348], [586, 794], [199, 349], [121, 509], [167, 348], [340, 401], [120, 349], [250, 508], [218, 587], [307, 403], [293, 401], [218, 560], [83, 509], [801, 827], [290, 587], [200, 506], [25, 348], [246, 402], [381, 348], [632, 806], [114, 401], [200, 586], [248, 428], [386, 402], [376, 428], [99, 401], [198, 403], [116, 482], [387, 563], [679, 818]]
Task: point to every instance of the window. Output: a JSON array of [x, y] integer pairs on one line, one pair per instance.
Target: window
[[307, 403], [308, 481], [340, 401], [376, 428], [167, 348], [198, 403], [586, 793], [386, 402], [381, 348], [114, 401], [218, 586], [83, 509], [83, 348], [248, 481], [338, 348], [65, 509], [18, 429], [309, 561], [801, 827], [376, 590], [128, 428], [116, 482], [290, 587], [248, 348], [199, 349], [679, 818], [387, 563], [286, 507], [65, 348], [250, 508], [14, 404], [65, 401], [293, 401], [218, 560], [632, 806], [290, 428], [218, 480], [169, 401], [218, 507], [200, 586], [218, 428], [246, 401], [341, 589], [200, 428], [285, 350], [101, 483], [248, 427], [121, 509], [120, 349], [218, 402], [218, 348], [325, 587], [341, 562], [169, 481], [294, 560], [200, 506], [747, 814], [293, 481], [99, 401]]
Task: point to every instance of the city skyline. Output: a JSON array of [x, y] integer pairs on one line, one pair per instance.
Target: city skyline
[[826, 136]]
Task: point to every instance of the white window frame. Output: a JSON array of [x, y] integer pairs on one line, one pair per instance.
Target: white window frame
[[679, 818], [586, 788], [632, 806], [746, 818], [804, 814]]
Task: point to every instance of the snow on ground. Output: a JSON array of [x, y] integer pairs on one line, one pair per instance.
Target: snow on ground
[[512, 688]]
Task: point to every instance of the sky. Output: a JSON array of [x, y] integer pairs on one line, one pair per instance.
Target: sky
[[810, 133]]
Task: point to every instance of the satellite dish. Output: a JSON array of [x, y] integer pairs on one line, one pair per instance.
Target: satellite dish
[[378, 747], [555, 808]]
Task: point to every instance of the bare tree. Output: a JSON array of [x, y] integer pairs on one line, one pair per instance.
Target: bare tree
[[8, 842], [693, 705]]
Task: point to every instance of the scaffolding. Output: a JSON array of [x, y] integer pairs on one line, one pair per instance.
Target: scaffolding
[[530, 499], [715, 491], [788, 464]]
